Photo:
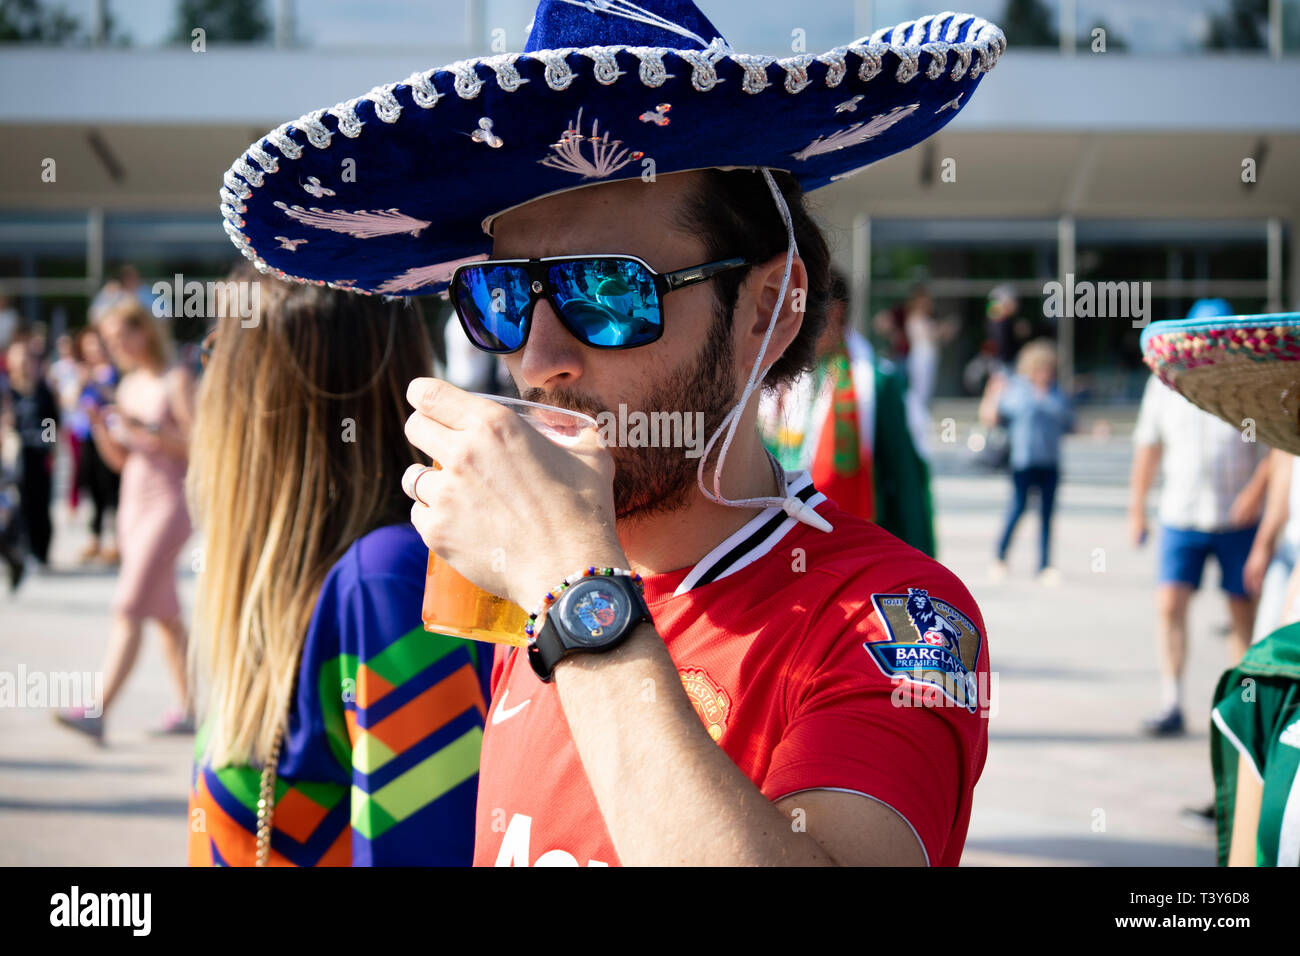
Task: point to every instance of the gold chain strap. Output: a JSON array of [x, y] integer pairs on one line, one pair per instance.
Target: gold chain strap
[[266, 799]]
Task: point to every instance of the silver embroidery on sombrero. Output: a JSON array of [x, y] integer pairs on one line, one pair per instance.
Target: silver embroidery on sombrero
[[346, 113], [755, 66], [264, 159], [423, 92], [936, 36], [952, 104], [607, 155], [318, 134], [658, 115], [630, 11], [857, 133], [604, 64], [363, 224], [387, 108], [484, 134], [290, 244], [279, 138], [796, 72], [850, 105], [503, 65], [313, 187], [468, 83], [422, 276]]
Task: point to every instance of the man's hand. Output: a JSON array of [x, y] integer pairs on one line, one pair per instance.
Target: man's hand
[[1252, 574], [1245, 508], [510, 510], [1137, 527]]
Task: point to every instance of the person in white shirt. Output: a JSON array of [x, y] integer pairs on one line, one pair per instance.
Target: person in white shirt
[[1214, 478], [1277, 545]]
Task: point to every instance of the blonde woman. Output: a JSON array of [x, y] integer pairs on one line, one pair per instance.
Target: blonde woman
[[145, 437], [1036, 415], [323, 691]]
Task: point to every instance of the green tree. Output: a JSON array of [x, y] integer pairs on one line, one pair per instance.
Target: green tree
[[1243, 26], [32, 21], [1029, 23], [230, 21]]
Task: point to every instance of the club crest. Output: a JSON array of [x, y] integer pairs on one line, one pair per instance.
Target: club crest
[[929, 642], [710, 701]]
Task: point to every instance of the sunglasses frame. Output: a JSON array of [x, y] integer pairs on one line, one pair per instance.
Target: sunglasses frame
[[539, 288]]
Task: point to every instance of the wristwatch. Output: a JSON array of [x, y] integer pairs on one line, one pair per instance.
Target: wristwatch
[[594, 615]]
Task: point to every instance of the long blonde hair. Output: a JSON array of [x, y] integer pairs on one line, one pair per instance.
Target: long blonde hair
[[133, 315], [298, 451]]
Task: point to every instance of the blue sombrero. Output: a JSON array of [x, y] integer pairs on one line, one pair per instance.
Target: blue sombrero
[[605, 90], [1243, 368]]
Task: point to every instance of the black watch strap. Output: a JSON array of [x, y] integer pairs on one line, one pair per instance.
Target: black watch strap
[[551, 646], [547, 651]]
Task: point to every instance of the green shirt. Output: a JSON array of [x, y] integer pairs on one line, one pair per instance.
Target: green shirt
[[1257, 715]]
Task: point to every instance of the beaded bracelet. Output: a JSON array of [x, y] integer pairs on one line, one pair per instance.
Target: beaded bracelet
[[530, 629]]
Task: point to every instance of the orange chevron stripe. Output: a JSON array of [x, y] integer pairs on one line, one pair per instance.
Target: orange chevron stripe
[[370, 687], [350, 718], [421, 716], [236, 845], [298, 815], [340, 852]]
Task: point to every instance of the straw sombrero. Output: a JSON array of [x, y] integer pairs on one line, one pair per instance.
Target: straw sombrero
[[387, 193], [1245, 369]]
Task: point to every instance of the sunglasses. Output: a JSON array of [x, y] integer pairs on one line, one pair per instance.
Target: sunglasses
[[606, 302]]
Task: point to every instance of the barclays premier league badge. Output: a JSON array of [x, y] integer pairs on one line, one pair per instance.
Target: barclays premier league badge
[[930, 643]]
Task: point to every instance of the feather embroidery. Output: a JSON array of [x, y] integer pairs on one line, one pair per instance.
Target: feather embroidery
[[606, 155], [422, 276], [362, 224], [857, 133]]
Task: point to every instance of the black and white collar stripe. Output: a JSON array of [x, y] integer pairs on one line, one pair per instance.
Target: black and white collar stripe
[[759, 536]]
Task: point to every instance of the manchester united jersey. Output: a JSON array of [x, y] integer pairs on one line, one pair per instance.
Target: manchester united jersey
[[845, 661]]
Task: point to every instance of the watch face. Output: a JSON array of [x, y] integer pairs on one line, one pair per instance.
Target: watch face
[[593, 612]]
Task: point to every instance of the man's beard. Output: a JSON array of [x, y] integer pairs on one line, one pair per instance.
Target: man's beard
[[652, 481]]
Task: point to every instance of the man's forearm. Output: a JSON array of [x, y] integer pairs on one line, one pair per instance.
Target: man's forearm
[[669, 795], [1145, 461]]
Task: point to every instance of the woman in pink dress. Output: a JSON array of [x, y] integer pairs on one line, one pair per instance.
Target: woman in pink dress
[[145, 436]]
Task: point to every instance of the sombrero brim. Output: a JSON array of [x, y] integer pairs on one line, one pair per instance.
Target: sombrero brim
[[387, 193], [1244, 369]]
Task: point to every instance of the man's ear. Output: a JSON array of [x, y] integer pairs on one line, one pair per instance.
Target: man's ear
[[764, 288]]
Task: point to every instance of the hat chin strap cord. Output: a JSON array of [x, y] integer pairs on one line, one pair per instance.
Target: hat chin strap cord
[[792, 506]]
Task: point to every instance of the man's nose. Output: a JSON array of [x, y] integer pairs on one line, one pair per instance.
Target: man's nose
[[552, 356]]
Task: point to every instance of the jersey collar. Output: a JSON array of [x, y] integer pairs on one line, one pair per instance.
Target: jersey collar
[[756, 538]]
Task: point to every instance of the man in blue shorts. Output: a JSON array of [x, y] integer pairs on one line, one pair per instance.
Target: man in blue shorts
[[1214, 479]]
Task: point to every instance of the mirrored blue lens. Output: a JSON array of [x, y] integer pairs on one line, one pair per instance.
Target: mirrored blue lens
[[608, 303], [492, 301]]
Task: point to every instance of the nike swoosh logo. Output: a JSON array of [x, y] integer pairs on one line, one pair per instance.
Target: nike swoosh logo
[[503, 713]]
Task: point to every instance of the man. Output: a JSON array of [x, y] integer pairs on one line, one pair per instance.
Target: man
[[1213, 490], [842, 423], [751, 675], [1241, 369]]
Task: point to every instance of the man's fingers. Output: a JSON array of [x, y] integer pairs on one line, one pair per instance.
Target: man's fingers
[[444, 403], [431, 437], [412, 480]]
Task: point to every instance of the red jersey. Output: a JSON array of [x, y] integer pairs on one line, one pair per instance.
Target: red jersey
[[842, 661]]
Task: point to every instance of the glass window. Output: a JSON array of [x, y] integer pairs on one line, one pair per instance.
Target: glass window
[[1291, 26], [151, 23], [1175, 26], [385, 23], [54, 22], [1027, 23]]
